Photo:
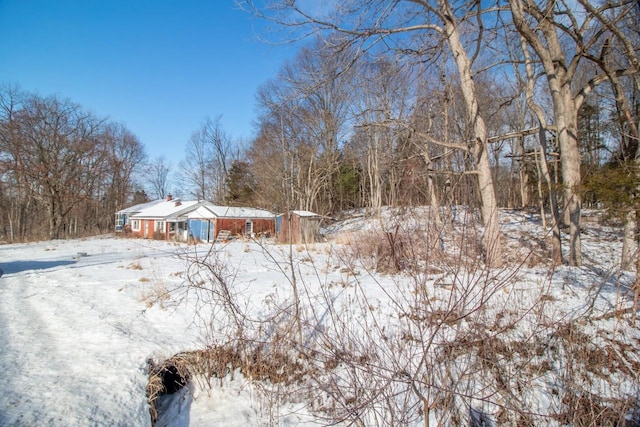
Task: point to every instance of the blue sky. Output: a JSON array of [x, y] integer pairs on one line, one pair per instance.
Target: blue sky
[[158, 66]]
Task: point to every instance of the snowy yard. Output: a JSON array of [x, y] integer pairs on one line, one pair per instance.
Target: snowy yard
[[79, 319]]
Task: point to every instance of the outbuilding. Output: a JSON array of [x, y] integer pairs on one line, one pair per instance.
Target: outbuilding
[[298, 226]]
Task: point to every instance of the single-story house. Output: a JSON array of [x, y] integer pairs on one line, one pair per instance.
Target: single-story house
[[298, 227], [165, 220], [122, 216], [208, 220]]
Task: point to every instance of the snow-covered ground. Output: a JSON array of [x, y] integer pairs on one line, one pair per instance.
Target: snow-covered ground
[[76, 330], [80, 318]]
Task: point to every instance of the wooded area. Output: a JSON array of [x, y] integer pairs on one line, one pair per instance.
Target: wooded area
[[63, 171], [516, 104]]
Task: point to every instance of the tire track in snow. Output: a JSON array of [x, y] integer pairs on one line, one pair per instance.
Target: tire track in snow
[[81, 341]]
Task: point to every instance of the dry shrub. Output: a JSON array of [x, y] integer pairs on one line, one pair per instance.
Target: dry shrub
[[584, 409], [586, 363], [157, 294], [193, 240], [345, 238], [135, 266], [395, 251], [218, 362], [274, 366], [449, 344]]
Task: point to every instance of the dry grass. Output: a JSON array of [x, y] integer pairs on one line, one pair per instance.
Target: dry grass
[[218, 362], [158, 294], [135, 266], [392, 252]]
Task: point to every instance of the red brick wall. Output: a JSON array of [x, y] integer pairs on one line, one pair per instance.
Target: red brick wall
[[237, 226]]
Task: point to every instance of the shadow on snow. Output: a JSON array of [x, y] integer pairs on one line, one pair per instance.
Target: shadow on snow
[[20, 266]]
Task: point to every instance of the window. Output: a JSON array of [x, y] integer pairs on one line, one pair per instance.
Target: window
[[160, 226], [120, 218], [135, 225]]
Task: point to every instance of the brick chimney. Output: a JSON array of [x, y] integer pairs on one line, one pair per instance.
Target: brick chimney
[[169, 197]]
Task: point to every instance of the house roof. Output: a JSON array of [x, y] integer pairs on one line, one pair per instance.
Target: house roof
[[304, 214], [201, 213], [210, 211], [139, 207], [168, 209]]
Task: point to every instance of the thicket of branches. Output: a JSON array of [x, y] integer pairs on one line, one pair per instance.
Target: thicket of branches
[[447, 341]]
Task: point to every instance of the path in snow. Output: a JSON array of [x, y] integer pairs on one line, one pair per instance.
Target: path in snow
[[75, 335]]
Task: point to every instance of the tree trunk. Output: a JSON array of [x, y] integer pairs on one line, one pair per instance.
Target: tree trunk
[[491, 238], [522, 172], [543, 215], [566, 114], [54, 226], [556, 240], [628, 241], [433, 196]]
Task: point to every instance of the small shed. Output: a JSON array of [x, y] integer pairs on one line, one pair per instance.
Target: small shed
[[298, 227], [206, 222]]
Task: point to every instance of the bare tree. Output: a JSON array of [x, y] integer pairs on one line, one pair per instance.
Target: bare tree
[[381, 109], [125, 154], [158, 175], [611, 60], [17, 198], [544, 27], [195, 170], [219, 146], [63, 171], [541, 159]]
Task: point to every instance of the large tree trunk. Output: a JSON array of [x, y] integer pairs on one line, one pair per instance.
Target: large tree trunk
[[55, 223], [636, 284], [431, 188], [491, 238], [566, 113]]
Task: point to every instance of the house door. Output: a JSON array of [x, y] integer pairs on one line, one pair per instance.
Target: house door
[[248, 228], [146, 229]]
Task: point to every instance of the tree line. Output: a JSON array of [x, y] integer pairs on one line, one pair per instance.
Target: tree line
[[507, 104], [63, 171]]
